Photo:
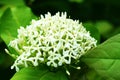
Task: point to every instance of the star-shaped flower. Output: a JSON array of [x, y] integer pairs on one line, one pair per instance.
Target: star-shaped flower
[[52, 40]]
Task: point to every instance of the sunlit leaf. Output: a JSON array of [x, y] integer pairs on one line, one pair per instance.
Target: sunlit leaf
[[105, 59], [12, 2], [1, 10], [12, 19], [41, 73]]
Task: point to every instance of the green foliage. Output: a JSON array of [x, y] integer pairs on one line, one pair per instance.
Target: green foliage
[[12, 19], [2, 9], [92, 75], [93, 30], [100, 17], [12, 2], [105, 59], [41, 73], [104, 27]]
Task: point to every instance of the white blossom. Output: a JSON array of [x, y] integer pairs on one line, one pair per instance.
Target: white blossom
[[52, 40]]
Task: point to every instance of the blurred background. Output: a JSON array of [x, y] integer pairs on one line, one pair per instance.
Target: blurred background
[[102, 15]]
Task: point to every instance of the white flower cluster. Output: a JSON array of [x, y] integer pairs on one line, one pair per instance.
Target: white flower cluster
[[52, 40]]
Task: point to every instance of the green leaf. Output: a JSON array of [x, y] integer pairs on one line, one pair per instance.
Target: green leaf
[[105, 28], [93, 30], [2, 9], [13, 2], [42, 73], [105, 59], [85, 73], [12, 19], [92, 75]]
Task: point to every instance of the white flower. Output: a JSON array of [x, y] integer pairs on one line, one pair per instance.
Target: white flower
[[52, 40]]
